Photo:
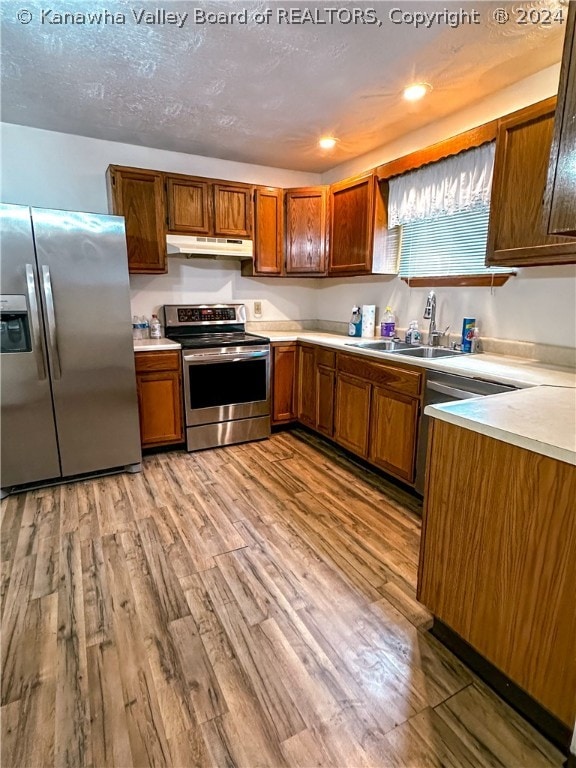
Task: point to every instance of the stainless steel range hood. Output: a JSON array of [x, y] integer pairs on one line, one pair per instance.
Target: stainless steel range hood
[[193, 246]]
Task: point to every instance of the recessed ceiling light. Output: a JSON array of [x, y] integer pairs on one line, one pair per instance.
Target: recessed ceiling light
[[416, 91], [327, 142]]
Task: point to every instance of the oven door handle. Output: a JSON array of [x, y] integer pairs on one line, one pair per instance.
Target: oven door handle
[[201, 359]]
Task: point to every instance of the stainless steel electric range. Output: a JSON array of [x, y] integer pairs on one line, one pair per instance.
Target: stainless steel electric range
[[226, 374]]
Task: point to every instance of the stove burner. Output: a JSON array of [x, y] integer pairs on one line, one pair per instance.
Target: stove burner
[[198, 341]]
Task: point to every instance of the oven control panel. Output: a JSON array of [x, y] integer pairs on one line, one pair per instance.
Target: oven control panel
[[178, 315], [206, 314]]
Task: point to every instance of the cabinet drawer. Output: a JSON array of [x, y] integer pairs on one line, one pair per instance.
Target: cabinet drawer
[[325, 357], [402, 380], [157, 361]]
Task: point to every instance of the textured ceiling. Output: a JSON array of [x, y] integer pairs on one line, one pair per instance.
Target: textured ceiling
[[259, 93]]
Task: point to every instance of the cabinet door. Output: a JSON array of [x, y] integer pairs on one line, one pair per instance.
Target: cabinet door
[[393, 432], [232, 210], [352, 413], [306, 385], [188, 205], [325, 400], [306, 217], [138, 195], [268, 230], [160, 404], [561, 191], [283, 378], [516, 234], [352, 225]]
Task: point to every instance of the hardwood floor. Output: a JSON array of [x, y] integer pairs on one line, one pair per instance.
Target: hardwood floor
[[246, 606]]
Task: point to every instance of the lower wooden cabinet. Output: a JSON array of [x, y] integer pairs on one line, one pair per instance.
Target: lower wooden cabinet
[[306, 389], [377, 412], [352, 413], [159, 384], [325, 382], [283, 382], [393, 432], [497, 559]]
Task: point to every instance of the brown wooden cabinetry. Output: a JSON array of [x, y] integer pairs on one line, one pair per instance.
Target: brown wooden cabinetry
[[306, 393], [561, 188], [159, 384], [497, 559], [306, 224], [352, 225], [232, 210], [283, 382], [352, 413], [377, 413], [393, 432], [138, 195], [325, 360], [516, 235], [268, 233], [188, 202], [199, 206]]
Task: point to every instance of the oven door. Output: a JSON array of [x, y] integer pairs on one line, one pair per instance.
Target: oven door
[[226, 384]]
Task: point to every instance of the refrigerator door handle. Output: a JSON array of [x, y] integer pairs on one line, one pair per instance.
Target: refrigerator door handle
[[52, 335], [37, 341]]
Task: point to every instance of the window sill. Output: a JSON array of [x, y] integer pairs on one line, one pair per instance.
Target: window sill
[[458, 280]]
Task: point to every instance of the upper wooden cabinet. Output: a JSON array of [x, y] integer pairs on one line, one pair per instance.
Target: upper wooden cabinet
[[268, 233], [198, 206], [352, 225], [516, 234], [138, 195], [232, 210], [306, 230], [561, 188], [188, 205]]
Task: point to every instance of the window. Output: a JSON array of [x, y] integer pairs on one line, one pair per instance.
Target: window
[[439, 216]]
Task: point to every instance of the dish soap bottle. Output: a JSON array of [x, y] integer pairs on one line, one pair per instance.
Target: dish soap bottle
[[388, 324], [412, 334], [355, 325]]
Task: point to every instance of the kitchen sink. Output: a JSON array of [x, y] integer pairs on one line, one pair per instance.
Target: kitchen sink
[[381, 346], [427, 352]]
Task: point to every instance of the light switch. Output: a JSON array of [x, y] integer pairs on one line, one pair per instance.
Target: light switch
[[257, 309]]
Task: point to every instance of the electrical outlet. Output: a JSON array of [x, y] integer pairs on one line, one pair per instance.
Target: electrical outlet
[[257, 309]]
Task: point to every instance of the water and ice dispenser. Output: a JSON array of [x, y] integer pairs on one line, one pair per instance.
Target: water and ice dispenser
[[14, 324]]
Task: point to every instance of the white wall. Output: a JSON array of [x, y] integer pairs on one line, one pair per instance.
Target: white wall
[[538, 305], [57, 170]]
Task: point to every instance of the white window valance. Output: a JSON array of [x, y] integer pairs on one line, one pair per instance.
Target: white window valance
[[449, 186]]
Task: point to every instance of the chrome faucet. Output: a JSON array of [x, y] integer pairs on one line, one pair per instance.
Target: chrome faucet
[[430, 314]]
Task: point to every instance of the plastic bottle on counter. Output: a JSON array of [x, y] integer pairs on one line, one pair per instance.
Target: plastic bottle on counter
[[136, 329], [412, 334], [388, 324], [145, 326], [155, 328], [475, 345]]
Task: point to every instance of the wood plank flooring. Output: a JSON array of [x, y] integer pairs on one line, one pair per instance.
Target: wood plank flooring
[[247, 606]]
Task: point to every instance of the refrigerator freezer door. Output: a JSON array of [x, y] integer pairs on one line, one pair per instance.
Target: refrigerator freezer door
[[86, 303], [29, 445]]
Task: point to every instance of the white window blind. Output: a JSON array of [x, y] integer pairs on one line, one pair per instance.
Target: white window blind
[[440, 216]]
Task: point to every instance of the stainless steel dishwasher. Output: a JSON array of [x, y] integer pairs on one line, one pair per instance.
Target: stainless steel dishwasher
[[445, 388]]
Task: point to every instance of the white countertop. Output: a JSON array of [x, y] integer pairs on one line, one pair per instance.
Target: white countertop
[[155, 345], [516, 371], [541, 419]]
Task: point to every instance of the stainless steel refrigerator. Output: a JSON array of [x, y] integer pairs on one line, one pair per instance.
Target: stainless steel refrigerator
[[68, 389]]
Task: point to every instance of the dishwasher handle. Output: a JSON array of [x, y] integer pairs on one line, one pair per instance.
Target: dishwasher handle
[[457, 394]]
